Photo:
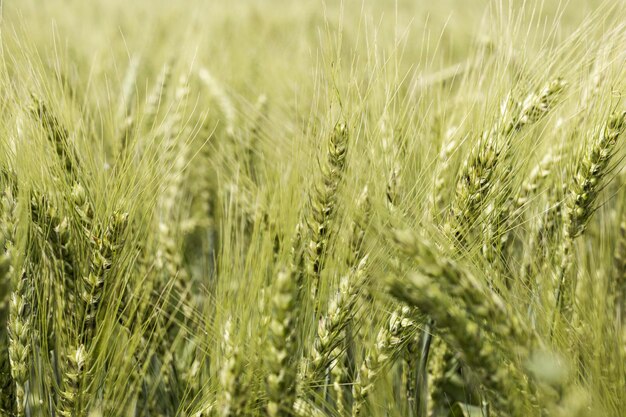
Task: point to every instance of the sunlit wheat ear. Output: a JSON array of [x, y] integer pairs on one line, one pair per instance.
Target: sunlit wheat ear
[[224, 102], [103, 242], [233, 395], [170, 269], [104, 246], [519, 202], [331, 329], [168, 276], [392, 193], [296, 253], [255, 135], [473, 185], [399, 329], [176, 123], [358, 228], [200, 177], [155, 97], [57, 135], [588, 181], [535, 106], [174, 160], [126, 112], [11, 363], [20, 333], [55, 230], [70, 401], [536, 178], [20, 307], [302, 408], [174, 155], [335, 331], [539, 245], [128, 89], [409, 370], [341, 378], [590, 172], [323, 204], [502, 210], [436, 377], [391, 156], [478, 172], [280, 360], [442, 173]]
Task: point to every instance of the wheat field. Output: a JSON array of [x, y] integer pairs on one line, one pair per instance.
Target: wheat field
[[319, 208]]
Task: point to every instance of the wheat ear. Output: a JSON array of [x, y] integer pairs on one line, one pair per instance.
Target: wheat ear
[[586, 185], [323, 202], [280, 360], [399, 329]]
